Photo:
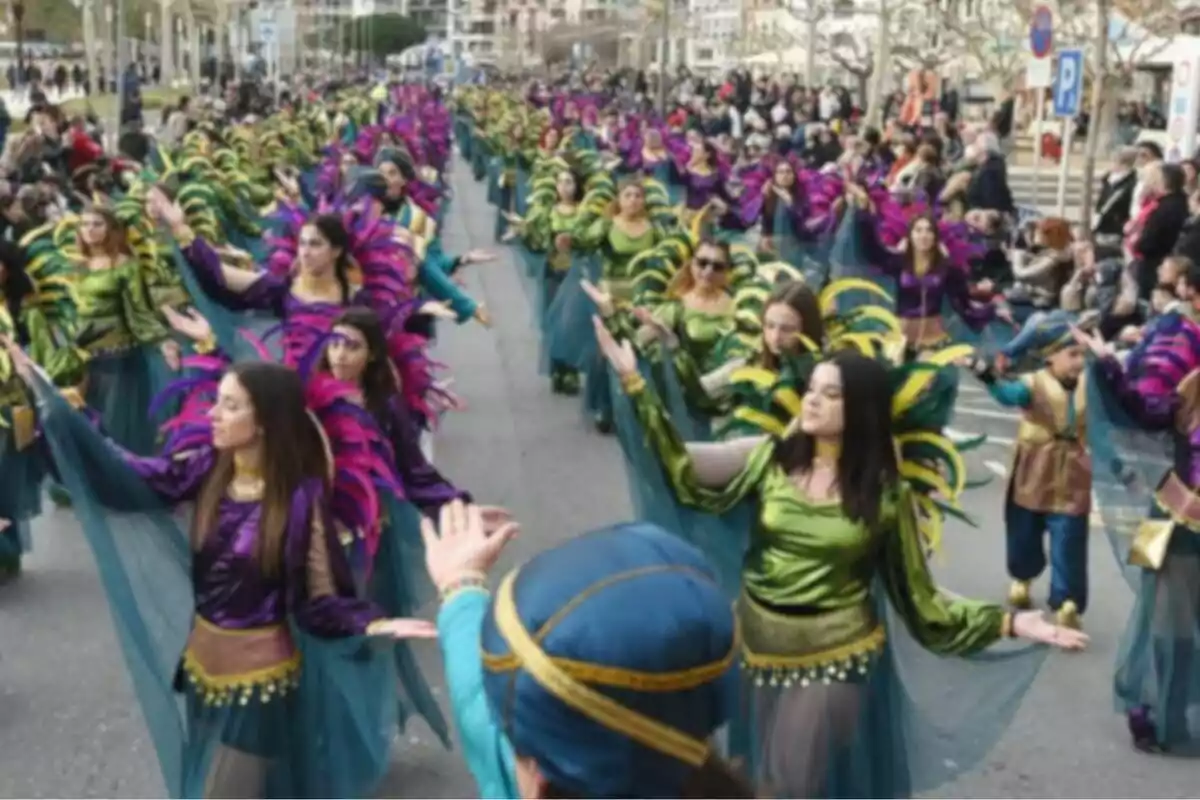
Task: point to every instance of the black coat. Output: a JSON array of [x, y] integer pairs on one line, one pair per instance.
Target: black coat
[[988, 188], [1115, 205]]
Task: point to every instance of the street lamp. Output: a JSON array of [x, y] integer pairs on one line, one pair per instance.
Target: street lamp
[[18, 14]]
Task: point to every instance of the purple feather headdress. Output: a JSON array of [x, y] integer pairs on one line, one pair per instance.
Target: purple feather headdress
[[363, 463], [408, 352], [895, 217], [384, 266]]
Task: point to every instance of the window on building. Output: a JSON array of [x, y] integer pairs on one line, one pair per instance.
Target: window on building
[[704, 54], [843, 8]]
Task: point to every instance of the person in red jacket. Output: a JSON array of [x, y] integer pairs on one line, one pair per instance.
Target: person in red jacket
[[82, 149]]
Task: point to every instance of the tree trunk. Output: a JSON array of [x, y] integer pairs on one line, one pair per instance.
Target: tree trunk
[[192, 43], [87, 7], [105, 35], [879, 72], [1100, 100], [166, 41], [810, 48]]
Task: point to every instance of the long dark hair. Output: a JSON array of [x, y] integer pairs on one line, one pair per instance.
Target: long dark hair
[[332, 230], [293, 451], [866, 470], [801, 299], [378, 380], [936, 258]]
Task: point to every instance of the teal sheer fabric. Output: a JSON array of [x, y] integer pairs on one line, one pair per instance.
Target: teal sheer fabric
[[400, 585], [1158, 661], [121, 387], [911, 723], [328, 737]]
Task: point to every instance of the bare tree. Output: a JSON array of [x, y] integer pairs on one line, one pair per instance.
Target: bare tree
[[988, 37], [811, 13], [1119, 36], [903, 39]]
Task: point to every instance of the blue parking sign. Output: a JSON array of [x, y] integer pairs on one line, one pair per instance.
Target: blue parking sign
[[1068, 83]]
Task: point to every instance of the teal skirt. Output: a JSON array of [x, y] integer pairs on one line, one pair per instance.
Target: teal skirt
[[120, 389]]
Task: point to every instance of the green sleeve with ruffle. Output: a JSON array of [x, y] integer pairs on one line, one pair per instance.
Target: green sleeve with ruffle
[[140, 316], [662, 437], [58, 356], [590, 234], [537, 231], [944, 625]]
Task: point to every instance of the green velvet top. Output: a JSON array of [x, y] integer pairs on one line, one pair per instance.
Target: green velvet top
[[809, 554], [114, 309]]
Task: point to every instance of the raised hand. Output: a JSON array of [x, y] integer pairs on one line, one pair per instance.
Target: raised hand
[[462, 546], [191, 324], [601, 298], [619, 354]]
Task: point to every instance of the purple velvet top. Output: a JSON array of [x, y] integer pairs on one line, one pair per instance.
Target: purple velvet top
[[230, 589], [700, 188], [423, 485], [925, 295], [1156, 411], [270, 292]]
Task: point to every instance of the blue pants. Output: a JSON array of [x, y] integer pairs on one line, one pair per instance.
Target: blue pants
[[1026, 532]]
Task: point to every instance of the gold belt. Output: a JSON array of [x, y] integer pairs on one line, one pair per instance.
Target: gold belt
[[784, 649], [1182, 507], [235, 664], [922, 332]]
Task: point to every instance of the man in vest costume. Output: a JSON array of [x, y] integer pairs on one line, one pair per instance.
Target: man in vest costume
[[1050, 483]]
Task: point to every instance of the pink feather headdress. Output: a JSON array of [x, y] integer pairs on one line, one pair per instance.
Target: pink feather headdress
[[362, 467]]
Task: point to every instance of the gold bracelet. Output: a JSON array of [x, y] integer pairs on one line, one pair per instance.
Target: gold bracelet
[[1006, 626], [466, 580], [633, 383], [463, 589], [205, 346]]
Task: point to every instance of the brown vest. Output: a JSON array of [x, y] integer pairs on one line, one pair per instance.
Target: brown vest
[[1052, 470]]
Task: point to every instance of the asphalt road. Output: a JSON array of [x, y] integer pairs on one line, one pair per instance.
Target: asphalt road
[[69, 726]]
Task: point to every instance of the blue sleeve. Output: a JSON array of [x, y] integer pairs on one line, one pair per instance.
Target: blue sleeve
[[1013, 394], [437, 284], [435, 255], [485, 749]]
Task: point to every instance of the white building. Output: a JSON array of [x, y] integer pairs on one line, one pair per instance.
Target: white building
[[714, 27]]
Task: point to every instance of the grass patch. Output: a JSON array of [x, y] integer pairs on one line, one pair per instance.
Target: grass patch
[[105, 105]]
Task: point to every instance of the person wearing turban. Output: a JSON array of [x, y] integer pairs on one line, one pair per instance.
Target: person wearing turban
[[601, 668]]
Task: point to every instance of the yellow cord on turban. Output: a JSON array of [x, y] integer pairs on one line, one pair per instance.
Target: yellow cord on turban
[[604, 710]]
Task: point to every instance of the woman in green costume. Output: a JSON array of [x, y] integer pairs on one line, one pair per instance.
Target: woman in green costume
[[836, 536], [684, 309], [783, 329], [617, 221], [546, 230], [111, 266], [37, 309]]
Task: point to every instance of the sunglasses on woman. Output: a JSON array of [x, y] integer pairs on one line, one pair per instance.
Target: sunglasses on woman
[[715, 265]]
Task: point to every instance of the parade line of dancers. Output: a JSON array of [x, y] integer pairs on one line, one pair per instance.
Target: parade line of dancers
[[222, 369]]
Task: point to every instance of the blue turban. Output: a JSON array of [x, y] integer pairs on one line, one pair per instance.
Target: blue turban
[[611, 660], [1043, 334]]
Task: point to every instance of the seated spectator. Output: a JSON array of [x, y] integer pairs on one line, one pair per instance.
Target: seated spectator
[[1041, 273], [1103, 283], [991, 268]]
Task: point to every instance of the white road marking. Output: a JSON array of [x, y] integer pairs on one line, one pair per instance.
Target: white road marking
[[998, 469], [1003, 441]]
